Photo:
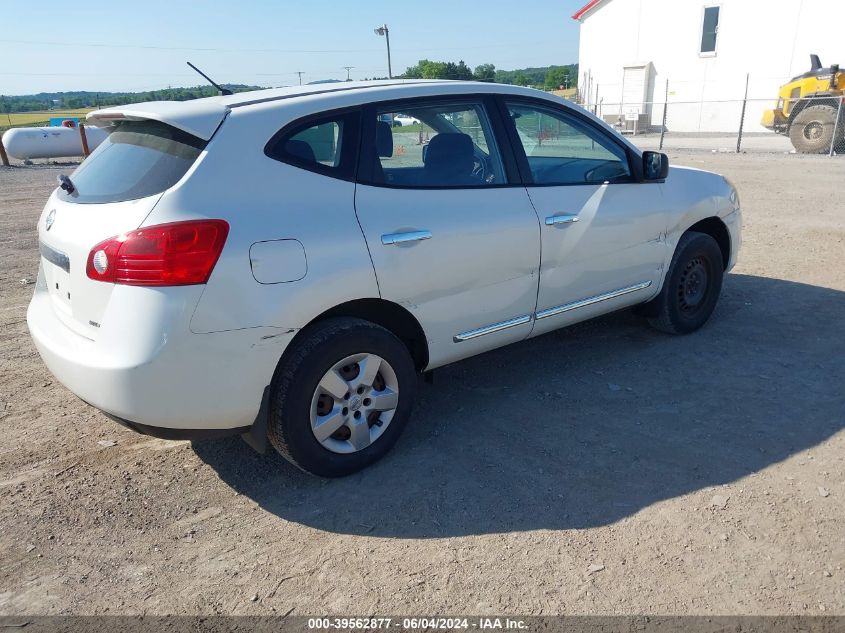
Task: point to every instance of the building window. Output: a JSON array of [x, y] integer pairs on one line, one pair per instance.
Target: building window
[[709, 30]]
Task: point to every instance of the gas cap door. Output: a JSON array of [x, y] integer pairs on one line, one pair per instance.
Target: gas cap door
[[278, 261]]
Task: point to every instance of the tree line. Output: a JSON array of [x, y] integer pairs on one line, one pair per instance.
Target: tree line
[[85, 99], [545, 77]]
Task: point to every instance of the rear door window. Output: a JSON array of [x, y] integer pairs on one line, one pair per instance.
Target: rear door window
[[137, 159], [435, 144]]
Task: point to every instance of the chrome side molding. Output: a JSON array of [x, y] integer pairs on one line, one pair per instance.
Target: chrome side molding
[[489, 329], [548, 312], [409, 236]]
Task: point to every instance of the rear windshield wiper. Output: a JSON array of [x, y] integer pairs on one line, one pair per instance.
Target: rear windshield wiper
[[66, 183]]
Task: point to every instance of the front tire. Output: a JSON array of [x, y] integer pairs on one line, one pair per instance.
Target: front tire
[[811, 132], [691, 288], [341, 397]]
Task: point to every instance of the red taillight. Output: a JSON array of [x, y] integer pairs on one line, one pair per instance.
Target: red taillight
[[175, 254]]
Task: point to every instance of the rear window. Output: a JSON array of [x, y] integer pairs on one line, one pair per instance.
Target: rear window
[[137, 159]]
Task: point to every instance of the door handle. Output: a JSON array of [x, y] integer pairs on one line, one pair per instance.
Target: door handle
[[561, 219], [409, 236]]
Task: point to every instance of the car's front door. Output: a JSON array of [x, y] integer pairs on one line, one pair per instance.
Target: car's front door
[[603, 243], [452, 235]]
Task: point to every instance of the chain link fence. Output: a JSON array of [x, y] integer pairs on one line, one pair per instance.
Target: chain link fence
[[812, 124]]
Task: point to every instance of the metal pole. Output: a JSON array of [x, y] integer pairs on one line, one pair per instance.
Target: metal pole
[[622, 103], [539, 128], [299, 72], [84, 139], [832, 140], [596, 101], [742, 117], [665, 108], [387, 39]]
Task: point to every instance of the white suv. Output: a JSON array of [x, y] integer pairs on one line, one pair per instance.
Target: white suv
[[281, 264]]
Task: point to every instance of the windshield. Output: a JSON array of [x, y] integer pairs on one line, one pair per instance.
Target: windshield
[[137, 159]]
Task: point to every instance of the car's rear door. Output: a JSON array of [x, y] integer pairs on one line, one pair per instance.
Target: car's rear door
[[603, 231], [452, 235]]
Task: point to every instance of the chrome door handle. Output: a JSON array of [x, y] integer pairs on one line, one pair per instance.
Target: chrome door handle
[[561, 219], [409, 236]]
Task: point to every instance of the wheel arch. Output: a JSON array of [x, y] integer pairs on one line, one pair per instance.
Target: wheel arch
[[388, 315], [715, 228], [811, 100]]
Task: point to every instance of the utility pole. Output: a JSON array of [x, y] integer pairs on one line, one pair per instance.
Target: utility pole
[[742, 116], [300, 73], [348, 68], [383, 30]]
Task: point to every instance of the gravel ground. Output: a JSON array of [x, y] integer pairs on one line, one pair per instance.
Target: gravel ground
[[606, 468]]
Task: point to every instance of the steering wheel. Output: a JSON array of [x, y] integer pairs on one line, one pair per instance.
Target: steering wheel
[[605, 171], [481, 169]]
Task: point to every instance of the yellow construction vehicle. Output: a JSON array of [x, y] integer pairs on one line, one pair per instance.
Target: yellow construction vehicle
[[807, 109]]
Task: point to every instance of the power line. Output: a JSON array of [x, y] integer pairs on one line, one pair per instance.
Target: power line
[[232, 50], [65, 74], [188, 48], [329, 71]]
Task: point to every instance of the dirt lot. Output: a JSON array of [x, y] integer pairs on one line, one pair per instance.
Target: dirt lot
[[602, 469]]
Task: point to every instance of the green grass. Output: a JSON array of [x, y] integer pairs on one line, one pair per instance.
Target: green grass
[[37, 118], [414, 128]]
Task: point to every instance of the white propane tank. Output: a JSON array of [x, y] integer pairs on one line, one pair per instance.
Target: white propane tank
[[50, 142]]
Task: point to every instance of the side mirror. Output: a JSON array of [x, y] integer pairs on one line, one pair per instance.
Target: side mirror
[[655, 166]]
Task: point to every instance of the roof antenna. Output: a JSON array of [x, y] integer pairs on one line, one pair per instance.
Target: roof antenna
[[223, 91]]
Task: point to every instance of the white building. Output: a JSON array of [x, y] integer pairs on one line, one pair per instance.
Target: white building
[[629, 49]]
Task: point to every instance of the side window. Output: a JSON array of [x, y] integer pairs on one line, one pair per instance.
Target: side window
[[321, 145], [709, 30], [561, 150], [435, 145]]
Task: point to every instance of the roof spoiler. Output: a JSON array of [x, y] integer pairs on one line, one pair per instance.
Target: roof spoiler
[[200, 118]]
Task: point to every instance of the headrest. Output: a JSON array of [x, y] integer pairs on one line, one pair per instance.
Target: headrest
[[301, 150], [449, 147], [384, 139]]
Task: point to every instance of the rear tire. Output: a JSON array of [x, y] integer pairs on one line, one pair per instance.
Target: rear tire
[[691, 288], [811, 132], [329, 354]]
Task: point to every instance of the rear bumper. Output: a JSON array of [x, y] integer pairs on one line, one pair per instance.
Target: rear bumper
[[254, 435], [178, 434], [147, 369]]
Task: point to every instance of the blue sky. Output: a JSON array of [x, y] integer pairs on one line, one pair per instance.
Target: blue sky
[[54, 46]]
